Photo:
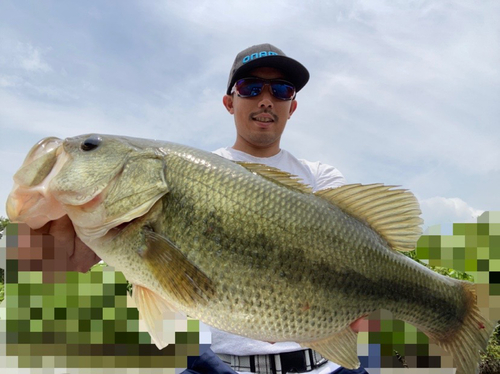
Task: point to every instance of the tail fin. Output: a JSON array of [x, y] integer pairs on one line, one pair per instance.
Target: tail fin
[[471, 338]]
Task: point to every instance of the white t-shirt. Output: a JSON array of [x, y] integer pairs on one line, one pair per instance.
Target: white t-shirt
[[319, 176]]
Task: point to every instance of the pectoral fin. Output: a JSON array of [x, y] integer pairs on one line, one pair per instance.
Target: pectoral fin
[[340, 348], [180, 278]]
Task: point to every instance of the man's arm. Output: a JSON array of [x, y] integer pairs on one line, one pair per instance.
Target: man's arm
[[327, 176]]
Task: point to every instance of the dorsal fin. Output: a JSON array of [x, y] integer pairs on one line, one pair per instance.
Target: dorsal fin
[[277, 176], [393, 213]]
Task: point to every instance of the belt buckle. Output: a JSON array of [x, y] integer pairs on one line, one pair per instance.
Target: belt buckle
[[294, 362], [320, 362]]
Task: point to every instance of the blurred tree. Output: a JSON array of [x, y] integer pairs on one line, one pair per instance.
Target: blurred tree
[[3, 222]]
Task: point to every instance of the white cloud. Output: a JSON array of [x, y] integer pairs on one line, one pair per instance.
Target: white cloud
[[31, 58], [22, 55], [10, 81], [443, 210]]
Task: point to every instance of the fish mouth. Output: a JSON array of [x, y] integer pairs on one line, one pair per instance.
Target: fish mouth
[[30, 202], [33, 200]]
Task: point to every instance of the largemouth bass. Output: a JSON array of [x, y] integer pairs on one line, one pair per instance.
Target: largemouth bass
[[247, 248]]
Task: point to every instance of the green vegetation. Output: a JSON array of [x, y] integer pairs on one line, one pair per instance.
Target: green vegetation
[[3, 222], [490, 361]]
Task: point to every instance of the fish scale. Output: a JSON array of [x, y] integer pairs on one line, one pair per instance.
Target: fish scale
[[263, 205], [246, 248]]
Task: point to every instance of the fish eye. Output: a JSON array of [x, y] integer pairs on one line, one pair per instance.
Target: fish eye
[[91, 143]]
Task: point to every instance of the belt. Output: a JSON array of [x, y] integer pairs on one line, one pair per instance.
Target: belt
[[281, 363]]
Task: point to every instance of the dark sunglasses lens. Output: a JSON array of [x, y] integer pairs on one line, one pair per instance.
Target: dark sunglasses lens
[[249, 87], [283, 91], [253, 87]]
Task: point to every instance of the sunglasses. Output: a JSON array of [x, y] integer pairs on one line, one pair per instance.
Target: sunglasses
[[251, 87]]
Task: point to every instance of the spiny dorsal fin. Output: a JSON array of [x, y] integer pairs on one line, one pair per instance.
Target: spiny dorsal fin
[[393, 213], [277, 176]]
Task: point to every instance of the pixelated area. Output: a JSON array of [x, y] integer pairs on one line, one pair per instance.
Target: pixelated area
[[469, 251], [392, 343], [473, 248], [69, 320]]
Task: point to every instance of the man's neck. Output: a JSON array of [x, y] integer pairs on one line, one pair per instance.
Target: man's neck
[[258, 152]]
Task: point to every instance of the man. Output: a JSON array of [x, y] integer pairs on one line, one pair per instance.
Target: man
[[260, 95], [261, 92]]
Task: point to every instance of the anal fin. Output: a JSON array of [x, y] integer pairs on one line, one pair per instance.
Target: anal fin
[[340, 348]]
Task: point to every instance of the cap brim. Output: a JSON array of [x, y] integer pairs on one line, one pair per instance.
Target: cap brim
[[292, 70]]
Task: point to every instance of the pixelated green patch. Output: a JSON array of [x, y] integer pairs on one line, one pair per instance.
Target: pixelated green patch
[[470, 254], [86, 316]]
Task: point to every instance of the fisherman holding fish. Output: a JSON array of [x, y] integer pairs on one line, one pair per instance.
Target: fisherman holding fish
[[239, 243], [261, 96]]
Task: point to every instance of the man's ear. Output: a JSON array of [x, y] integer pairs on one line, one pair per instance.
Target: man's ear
[[227, 100], [293, 106]]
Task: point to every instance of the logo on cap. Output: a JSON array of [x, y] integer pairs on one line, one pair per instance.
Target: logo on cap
[[254, 56]]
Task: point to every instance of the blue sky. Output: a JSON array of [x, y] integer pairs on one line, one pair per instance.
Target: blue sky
[[401, 92]]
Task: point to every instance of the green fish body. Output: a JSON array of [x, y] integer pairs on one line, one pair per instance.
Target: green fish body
[[247, 248]]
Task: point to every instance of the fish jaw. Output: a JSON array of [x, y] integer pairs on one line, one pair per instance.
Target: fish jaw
[[30, 200], [37, 197]]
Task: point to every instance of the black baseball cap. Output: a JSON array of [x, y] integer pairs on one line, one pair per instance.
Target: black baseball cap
[[267, 55]]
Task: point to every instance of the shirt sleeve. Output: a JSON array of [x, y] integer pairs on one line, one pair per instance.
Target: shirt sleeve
[[326, 176]]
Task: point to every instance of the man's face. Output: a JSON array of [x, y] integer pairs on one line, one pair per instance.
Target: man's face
[[260, 120]]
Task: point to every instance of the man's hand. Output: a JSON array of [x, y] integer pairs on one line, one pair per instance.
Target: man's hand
[[70, 252], [357, 325]]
